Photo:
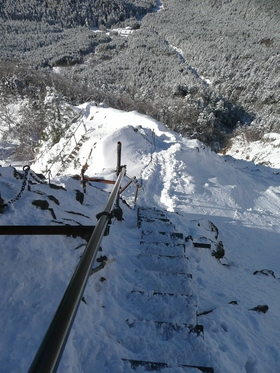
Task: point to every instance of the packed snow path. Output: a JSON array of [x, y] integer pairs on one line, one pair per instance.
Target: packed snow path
[[163, 302]]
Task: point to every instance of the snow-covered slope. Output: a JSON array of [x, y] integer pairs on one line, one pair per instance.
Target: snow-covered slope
[[265, 151], [216, 201]]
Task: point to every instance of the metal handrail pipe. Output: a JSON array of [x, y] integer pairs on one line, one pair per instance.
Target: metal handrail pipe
[[119, 151], [118, 169], [69, 230], [51, 349]]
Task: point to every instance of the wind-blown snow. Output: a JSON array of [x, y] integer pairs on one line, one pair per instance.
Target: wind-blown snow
[[193, 186]]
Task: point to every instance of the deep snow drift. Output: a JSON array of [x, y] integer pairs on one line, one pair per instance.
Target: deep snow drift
[[192, 186]]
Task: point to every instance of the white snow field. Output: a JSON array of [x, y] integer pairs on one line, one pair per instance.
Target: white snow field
[[141, 307]]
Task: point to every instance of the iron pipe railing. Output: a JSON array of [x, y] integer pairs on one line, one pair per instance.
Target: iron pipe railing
[[119, 151], [50, 351], [118, 170], [71, 230]]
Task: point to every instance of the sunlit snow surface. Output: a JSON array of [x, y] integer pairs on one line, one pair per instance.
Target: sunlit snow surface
[[191, 184]]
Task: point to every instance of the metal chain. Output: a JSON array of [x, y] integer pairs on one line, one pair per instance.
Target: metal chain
[[17, 197], [36, 178]]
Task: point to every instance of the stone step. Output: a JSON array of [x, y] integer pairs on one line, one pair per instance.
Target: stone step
[[160, 282], [156, 236], [150, 212], [165, 330], [155, 248], [153, 366], [166, 243], [153, 216], [163, 307], [156, 224], [167, 264], [202, 245]]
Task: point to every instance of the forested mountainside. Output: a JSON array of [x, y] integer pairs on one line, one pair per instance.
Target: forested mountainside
[[205, 68], [48, 32], [72, 13], [235, 44]]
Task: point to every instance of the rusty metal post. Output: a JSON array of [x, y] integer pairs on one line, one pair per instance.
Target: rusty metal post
[[126, 186]]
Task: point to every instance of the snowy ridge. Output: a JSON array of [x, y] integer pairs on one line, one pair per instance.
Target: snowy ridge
[[214, 202]]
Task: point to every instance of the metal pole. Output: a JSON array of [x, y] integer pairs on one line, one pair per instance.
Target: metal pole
[[49, 354], [83, 182], [136, 193], [125, 187], [71, 230], [119, 151]]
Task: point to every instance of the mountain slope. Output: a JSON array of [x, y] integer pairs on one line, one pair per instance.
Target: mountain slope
[[203, 68], [235, 44], [209, 199]]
